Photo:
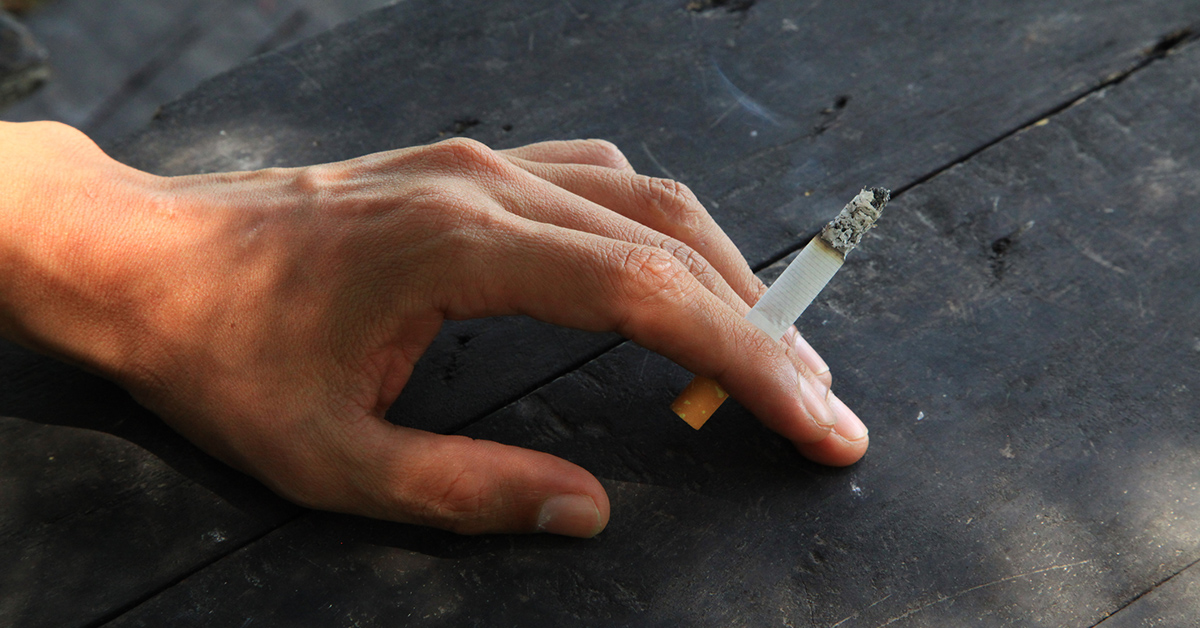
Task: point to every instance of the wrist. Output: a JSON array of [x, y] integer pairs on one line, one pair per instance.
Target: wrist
[[68, 216]]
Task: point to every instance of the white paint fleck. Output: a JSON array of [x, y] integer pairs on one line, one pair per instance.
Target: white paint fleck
[[855, 488], [1007, 452], [920, 416], [789, 25], [754, 133]]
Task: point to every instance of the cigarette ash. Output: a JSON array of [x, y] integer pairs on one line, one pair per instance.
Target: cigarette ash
[[857, 217]]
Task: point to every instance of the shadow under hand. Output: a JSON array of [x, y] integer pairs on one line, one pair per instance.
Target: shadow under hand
[[40, 389]]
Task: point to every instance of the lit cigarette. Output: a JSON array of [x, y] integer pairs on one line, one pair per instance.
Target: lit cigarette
[[791, 294]]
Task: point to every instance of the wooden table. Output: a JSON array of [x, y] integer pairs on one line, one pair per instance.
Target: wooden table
[[1021, 333]]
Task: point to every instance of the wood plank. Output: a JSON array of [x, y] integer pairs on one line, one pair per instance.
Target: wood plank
[[90, 522], [102, 505], [228, 34], [94, 47], [1019, 333], [116, 62]]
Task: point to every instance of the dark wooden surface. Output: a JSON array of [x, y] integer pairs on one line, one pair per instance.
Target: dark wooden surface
[[1020, 333], [114, 62]]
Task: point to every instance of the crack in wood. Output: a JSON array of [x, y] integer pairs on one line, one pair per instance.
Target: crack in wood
[[1143, 594], [730, 6]]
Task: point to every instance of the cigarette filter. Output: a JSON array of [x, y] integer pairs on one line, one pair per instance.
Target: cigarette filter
[[792, 293]]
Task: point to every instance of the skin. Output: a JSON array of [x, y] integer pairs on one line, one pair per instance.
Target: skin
[[271, 317]]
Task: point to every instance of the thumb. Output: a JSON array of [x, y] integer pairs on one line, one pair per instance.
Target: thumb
[[455, 483]]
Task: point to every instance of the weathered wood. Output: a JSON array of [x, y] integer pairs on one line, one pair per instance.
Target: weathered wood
[[1020, 335], [90, 523], [115, 62], [685, 92], [94, 519], [22, 61]]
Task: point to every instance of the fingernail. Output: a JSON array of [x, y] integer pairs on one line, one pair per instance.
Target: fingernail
[[816, 404], [570, 515], [809, 356], [848, 423]]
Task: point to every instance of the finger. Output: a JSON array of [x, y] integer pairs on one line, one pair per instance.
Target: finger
[[377, 469], [586, 281], [846, 443], [600, 153], [559, 207], [662, 205]]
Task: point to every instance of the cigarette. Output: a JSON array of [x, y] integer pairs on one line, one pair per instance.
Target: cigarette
[[792, 293]]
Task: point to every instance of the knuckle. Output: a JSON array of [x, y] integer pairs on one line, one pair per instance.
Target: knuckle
[[456, 500], [461, 500], [314, 181], [691, 259], [57, 129], [607, 154], [673, 200], [66, 138], [463, 153], [649, 272]]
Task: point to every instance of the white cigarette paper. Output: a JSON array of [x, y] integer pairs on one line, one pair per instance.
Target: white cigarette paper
[[816, 264]]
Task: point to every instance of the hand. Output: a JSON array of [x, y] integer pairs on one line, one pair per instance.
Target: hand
[[272, 317]]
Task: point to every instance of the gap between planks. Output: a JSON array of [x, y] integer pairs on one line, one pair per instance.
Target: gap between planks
[[1143, 594]]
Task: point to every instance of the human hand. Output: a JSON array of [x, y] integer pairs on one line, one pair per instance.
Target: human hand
[[272, 317]]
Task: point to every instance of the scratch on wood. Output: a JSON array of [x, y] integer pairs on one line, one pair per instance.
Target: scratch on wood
[[308, 78], [722, 117], [857, 613], [947, 598], [1087, 252], [579, 15], [1095, 257]]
